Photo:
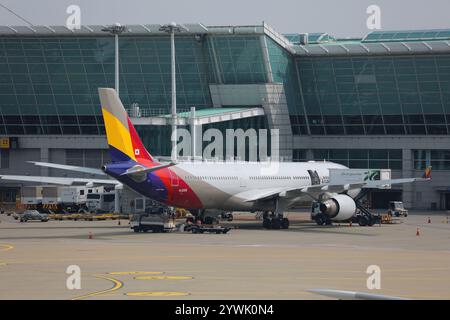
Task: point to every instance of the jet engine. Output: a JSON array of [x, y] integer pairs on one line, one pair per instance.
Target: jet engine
[[338, 208]]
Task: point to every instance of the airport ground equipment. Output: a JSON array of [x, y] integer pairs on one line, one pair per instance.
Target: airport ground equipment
[[31, 195], [155, 218], [101, 200], [68, 199], [386, 218], [228, 216], [206, 229], [86, 216], [343, 208], [33, 215], [397, 209]]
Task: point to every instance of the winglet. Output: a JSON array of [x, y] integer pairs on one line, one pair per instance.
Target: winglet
[[427, 173]]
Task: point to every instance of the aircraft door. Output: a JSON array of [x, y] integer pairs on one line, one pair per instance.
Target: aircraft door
[[174, 182], [314, 176]]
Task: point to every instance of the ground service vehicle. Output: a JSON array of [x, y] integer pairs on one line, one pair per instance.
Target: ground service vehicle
[[155, 219], [397, 209], [35, 215]]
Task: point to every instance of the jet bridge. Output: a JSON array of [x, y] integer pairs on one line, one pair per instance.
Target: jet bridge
[[345, 176]]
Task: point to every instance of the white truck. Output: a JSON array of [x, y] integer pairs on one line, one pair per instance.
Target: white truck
[[55, 198], [31, 195], [64, 195], [100, 200]]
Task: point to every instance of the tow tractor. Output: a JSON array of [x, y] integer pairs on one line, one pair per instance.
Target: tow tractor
[[397, 209], [155, 219], [194, 228]]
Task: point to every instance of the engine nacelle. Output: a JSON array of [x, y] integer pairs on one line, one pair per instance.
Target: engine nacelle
[[339, 208]]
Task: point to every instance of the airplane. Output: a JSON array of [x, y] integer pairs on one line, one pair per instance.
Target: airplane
[[353, 295], [205, 188]]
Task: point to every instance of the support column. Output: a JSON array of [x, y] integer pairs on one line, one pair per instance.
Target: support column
[[309, 155], [408, 171], [44, 158]]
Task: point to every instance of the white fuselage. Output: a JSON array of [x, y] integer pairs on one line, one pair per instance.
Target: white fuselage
[[227, 185]]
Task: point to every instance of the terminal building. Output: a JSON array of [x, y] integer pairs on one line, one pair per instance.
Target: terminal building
[[380, 101]]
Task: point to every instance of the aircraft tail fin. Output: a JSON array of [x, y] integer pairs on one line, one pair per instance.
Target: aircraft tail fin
[[123, 140]]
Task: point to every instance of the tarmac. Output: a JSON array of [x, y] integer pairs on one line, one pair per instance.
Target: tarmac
[[246, 263]]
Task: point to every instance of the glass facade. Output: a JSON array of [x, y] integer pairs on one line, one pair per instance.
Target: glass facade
[[236, 60], [373, 95], [156, 138], [91, 158], [356, 158], [438, 159], [48, 85]]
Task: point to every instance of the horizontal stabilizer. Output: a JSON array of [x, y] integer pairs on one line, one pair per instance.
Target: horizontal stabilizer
[[140, 169], [68, 167], [59, 180]]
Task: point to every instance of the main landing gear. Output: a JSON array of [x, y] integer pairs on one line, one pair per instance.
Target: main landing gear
[[322, 219], [274, 221]]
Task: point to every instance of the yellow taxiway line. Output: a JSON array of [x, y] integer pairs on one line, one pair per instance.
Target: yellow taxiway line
[[6, 247], [117, 285], [126, 273], [164, 278]]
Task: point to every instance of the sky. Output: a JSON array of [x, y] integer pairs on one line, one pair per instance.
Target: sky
[[342, 18]]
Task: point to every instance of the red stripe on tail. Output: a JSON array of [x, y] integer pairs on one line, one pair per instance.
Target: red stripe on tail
[[140, 151]]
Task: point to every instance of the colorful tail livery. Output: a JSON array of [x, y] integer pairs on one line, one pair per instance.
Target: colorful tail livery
[[123, 140], [131, 163]]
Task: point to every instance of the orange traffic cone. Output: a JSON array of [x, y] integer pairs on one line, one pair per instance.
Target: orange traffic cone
[[429, 220], [90, 235], [418, 232]]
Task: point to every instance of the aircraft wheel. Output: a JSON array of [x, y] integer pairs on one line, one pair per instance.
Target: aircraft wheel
[[285, 223], [266, 223], [276, 223], [208, 220], [363, 221], [319, 220]]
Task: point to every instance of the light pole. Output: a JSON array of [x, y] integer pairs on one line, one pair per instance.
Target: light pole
[[116, 30], [172, 28]]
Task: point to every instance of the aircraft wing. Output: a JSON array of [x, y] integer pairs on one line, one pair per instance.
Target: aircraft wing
[[259, 194], [353, 295], [68, 167], [315, 190], [58, 180], [381, 183]]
